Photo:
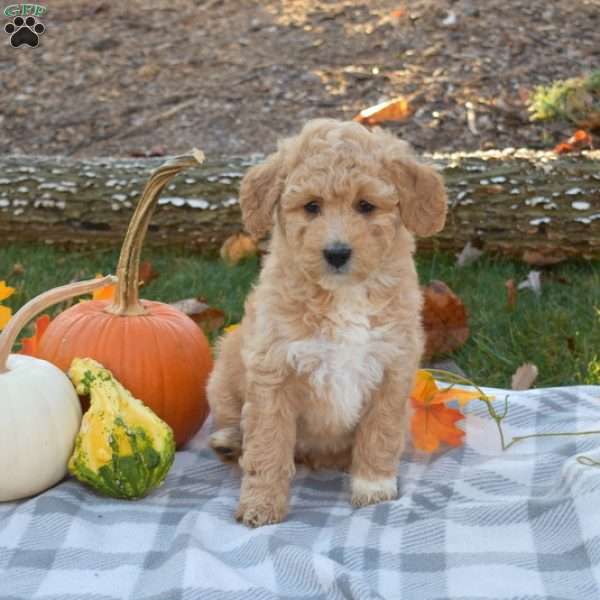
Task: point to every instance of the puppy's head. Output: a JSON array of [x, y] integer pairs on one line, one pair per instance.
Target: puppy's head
[[341, 198]]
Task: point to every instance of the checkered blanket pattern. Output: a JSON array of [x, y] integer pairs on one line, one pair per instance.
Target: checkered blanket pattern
[[472, 523]]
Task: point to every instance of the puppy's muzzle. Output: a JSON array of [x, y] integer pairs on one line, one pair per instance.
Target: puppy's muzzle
[[337, 255]]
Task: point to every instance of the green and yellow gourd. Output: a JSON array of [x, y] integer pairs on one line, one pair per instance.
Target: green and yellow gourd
[[123, 449]]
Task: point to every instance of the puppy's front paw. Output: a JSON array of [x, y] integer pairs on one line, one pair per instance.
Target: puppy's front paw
[[365, 491], [258, 511]]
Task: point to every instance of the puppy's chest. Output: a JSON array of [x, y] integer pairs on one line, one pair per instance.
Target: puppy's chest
[[343, 362]]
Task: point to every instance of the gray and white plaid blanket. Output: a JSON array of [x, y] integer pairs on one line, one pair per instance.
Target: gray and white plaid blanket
[[472, 523]]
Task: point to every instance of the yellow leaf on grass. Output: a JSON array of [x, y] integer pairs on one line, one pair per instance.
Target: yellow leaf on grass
[[5, 291], [5, 316]]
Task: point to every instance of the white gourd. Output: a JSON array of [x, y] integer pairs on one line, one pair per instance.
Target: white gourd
[[40, 413]]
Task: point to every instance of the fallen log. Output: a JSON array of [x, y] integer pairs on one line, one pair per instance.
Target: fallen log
[[511, 201]]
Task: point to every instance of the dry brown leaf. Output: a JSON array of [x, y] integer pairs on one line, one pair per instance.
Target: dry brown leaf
[[147, 273], [209, 319], [18, 270], [148, 71], [397, 109], [511, 293], [524, 377], [541, 259], [237, 247], [444, 318]]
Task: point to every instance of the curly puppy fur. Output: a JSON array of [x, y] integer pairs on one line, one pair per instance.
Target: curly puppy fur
[[321, 367]]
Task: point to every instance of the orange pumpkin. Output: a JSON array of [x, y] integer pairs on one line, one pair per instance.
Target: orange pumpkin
[[156, 351]]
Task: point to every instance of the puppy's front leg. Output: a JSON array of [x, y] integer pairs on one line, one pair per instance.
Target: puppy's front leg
[[379, 442], [269, 429]]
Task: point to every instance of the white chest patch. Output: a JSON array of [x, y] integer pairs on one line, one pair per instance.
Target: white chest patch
[[345, 362]]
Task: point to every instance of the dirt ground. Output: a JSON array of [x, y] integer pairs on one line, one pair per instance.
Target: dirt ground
[[231, 76]]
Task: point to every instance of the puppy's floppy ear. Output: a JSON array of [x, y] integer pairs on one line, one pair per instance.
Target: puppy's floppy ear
[[260, 190], [423, 200]]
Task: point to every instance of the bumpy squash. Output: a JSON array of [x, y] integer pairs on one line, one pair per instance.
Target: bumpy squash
[[123, 449]]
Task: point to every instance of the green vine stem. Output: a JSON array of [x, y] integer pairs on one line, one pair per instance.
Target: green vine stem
[[126, 301], [28, 311], [454, 379]]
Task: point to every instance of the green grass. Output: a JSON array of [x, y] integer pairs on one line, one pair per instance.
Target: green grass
[[559, 332]]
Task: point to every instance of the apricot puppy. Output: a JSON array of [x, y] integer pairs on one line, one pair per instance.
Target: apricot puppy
[[323, 362]]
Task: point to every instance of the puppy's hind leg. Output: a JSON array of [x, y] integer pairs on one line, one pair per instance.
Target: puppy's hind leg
[[225, 398], [227, 443]]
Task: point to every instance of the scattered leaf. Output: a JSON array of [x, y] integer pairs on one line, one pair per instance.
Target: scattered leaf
[[231, 328], [209, 319], [237, 247], [147, 273], [399, 14], [30, 345], [532, 282], [397, 109], [18, 269], [5, 316], [471, 118], [511, 293], [444, 318], [148, 71], [578, 141], [432, 421], [536, 258], [104, 293], [524, 377], [5, 291], [5, 311], [468, 255], [434, 425]]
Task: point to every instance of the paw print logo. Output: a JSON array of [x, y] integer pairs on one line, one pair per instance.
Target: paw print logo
[[24, 31]]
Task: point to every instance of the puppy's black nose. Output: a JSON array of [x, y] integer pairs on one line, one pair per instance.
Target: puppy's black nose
[[337, 255]]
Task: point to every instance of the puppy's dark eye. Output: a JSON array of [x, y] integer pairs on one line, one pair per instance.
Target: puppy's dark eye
[[312, 208], [364, 207]]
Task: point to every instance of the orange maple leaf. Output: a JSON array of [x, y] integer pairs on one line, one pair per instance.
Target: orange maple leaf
[[104, 293], [433, 422], [30, 345]]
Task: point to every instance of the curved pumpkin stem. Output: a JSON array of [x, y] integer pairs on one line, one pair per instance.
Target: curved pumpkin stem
[[126, 300], [28, 311]]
